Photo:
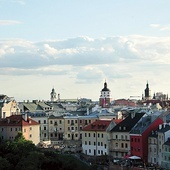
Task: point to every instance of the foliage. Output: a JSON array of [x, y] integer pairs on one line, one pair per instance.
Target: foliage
[[22, 154]]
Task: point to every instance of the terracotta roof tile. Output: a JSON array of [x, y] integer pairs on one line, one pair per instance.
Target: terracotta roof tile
[[99, 125], [17, 120]]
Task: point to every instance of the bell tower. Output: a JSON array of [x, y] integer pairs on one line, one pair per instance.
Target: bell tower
[[53, 95], [105, 97], [147, 92]]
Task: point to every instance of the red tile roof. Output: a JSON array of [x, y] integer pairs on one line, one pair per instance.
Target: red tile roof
[[124, 102], [17, 120], [117, 121], [98, 125]]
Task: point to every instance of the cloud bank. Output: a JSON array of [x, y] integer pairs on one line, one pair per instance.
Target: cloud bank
[[86, 58]]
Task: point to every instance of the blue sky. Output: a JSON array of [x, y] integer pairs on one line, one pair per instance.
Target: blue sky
[[74, 46]]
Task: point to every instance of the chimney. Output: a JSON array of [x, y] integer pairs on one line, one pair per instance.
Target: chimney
[[25, 117], [160, 126], [87, 111]]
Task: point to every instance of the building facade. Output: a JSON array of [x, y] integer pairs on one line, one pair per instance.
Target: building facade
[[10, 126], [95, 138]]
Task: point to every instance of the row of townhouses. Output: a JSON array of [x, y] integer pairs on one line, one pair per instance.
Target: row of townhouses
[[119, 128]]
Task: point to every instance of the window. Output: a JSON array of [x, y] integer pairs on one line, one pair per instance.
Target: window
[[75, 121], [94, 135], [101, 143], [68, 135], [98, 135], [45, 135], [116, 137], [51, 122], [89, 143], [85, 142], [116, 145], [44, 121], [68, 128], [16, 129], [122, 145], [68, 121], [45, 128], [30, 128], [98, 151], [94, 143], [80, 121], [51, 135], [30, 136], [98, 143], [60, 121], [39, 121], [85, 134], [126, 145], [11, 129], [102, 135], [81, 128], [2, 129], [105, 146], [89, 150], [89, 134], [72, 128], [138, 140]]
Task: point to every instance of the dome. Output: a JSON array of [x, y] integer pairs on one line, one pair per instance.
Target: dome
[[105, 87]]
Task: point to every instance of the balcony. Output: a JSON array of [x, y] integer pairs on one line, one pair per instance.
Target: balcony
[[119, 150]]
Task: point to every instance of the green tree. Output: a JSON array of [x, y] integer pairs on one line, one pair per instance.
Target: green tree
[[4, 164]]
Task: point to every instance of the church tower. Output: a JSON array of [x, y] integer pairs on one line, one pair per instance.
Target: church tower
[[105, 97], [53, 95], [147, 92]]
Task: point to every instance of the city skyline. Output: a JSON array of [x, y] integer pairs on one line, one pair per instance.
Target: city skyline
[[74, 46]]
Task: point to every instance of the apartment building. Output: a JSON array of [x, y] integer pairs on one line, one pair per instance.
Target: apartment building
[[166, 160], [140, 132], [153, 147], [56, 128], [8, 106], [120, 135], [10, 126], [163, 135], [95, 138], [42, 119]]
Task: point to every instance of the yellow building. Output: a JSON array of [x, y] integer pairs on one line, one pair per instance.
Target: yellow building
[[10, 126], [56, 128], [95, 138]]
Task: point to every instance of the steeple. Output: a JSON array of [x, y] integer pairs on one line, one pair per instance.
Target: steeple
[[147, 92], [53, 95]]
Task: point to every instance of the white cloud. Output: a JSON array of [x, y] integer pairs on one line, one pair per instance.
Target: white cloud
[[155, 25], [106, 57], [160, 27], [9, 22]]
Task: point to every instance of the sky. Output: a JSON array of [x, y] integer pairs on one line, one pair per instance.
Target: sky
[[74, 46]]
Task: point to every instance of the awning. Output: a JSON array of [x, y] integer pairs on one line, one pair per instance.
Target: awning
[[134, 157]]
